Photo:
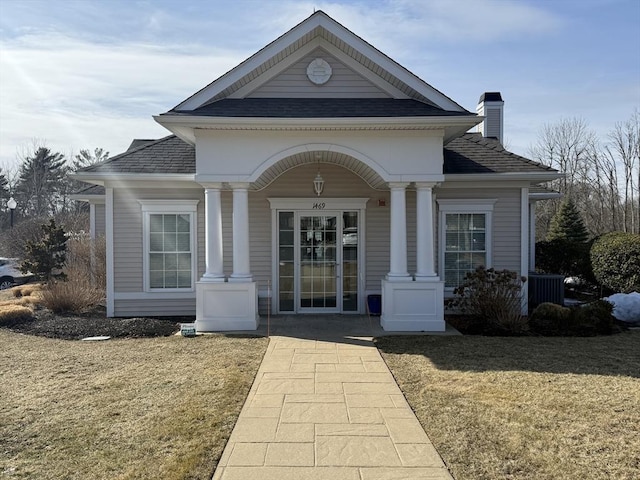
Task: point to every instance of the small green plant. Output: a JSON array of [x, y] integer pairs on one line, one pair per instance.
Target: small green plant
[[494, 298], [46, 257], [615, 259]]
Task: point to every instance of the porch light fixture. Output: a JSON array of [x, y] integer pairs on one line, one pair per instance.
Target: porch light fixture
[[318, 184]]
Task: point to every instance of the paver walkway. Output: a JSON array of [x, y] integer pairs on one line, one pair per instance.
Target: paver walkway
[[329, 410]]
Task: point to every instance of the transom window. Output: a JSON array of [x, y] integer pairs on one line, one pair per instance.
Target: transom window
[[465, 238], [169, 245]]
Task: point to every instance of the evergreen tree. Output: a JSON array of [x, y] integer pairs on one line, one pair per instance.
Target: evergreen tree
[[46, 257], [85, 158], [567, 224], [4, 185], [40, 182]]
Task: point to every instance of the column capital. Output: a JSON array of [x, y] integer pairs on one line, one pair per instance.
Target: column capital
[[211, 185], [239, 185], [398, 185], [426, 185]]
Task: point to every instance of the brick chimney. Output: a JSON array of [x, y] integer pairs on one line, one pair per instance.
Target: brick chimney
[[491, 107]]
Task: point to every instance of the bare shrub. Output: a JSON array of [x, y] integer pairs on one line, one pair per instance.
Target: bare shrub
[[12, 314], [72, 295], [494, 298], [84, 288]]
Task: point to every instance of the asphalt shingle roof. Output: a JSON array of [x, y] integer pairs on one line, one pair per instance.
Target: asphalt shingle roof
[[317, 108], [468, 154], [473, 153], [167, 155], [92, 190]]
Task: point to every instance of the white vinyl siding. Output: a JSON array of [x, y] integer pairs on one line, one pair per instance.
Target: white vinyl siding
[[157, 307], [99, 211], [344, 82], [129, 252]]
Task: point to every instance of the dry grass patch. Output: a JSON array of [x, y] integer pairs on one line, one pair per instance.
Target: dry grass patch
[[121, 409], [525, 408]]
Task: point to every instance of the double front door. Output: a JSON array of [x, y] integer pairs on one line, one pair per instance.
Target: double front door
[[318, 261]]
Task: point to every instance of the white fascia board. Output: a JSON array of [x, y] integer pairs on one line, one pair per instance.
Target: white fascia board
[[535, 197], [99, 199], [263, 55], [115, 178], [278, 123]]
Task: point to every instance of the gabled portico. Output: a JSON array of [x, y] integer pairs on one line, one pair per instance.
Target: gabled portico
[[349, 106]]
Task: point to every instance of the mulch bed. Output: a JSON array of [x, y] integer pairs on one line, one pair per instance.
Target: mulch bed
[[76, 327]]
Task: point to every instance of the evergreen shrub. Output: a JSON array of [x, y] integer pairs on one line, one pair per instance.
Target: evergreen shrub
[[615, 260], [594, 318]]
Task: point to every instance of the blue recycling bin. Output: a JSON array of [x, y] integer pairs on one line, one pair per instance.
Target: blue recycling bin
[[374, 303]]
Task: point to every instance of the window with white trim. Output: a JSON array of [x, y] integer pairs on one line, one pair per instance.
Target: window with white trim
[[169, 244], [465, 238]]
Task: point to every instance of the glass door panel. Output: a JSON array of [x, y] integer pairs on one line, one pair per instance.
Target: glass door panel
[[286, 261], [319, 266], [350, 261]]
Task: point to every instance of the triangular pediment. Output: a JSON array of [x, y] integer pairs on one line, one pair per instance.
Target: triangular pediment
[[358, 70], [293, 82]]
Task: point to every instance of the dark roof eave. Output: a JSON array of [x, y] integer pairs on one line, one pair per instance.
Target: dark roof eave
[[534, 177]]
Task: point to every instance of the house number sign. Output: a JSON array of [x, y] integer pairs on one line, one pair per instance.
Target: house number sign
[[319, 206]]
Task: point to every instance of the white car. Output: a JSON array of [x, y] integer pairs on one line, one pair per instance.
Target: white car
[[10, 273]]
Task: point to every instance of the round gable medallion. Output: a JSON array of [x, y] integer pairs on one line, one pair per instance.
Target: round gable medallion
[[319, 71]]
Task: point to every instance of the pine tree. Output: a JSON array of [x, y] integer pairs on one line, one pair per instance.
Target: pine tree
[[46, 257], [4, 185], [567, 224], [41, 178]]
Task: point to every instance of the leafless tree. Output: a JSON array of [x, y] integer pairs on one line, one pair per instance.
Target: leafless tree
[[625, 147]]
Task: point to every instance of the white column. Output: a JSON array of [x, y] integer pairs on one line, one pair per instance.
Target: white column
[[532, 236], [425, 266], [398, 248], [241, 266], [213, 233]]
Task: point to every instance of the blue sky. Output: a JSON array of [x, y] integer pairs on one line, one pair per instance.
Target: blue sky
[[80, 74]]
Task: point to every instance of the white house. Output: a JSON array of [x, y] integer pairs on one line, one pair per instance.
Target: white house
[[315, 173]]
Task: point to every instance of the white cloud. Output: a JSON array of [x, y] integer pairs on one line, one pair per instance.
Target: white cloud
[[77, 94]]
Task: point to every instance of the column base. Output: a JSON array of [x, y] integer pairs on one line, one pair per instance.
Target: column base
[[223, 307], [398, 278], [241, 279], [413, 307], [427, 278], [213, 278]]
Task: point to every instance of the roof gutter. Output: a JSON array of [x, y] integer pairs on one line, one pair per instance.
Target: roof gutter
[[534, 177], [99, 178]]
